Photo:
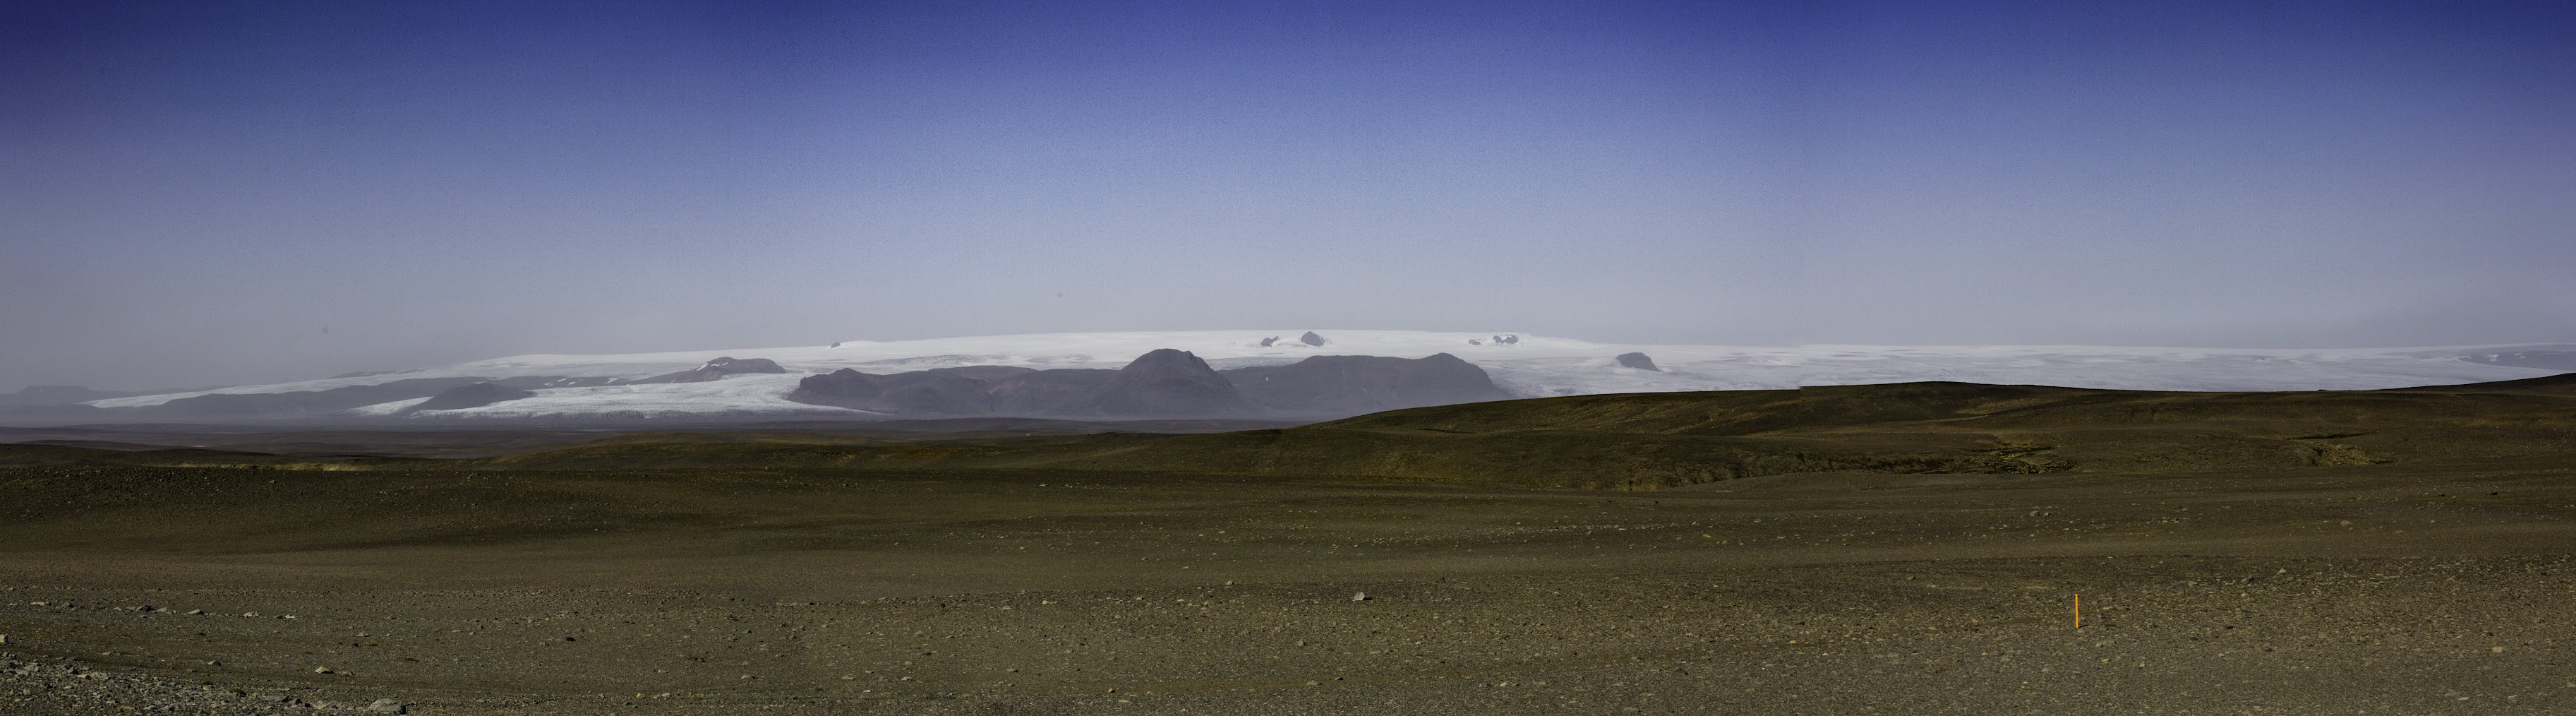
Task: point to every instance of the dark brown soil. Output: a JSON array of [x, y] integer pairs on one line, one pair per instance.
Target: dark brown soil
[[2388, 588]]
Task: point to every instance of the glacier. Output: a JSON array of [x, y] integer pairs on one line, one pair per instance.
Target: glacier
[[1526, 365]]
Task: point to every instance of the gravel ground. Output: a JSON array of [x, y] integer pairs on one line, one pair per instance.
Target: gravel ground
[[2346, 590]]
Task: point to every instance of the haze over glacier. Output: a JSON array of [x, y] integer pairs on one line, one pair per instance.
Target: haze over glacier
[[561, 387]]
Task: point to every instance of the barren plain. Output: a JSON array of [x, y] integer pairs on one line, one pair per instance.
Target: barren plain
[[2367, 579]]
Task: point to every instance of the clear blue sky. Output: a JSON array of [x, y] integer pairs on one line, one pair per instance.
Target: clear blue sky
[[191, 194]]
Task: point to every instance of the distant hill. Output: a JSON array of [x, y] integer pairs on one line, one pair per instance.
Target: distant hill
[[1282, 373], [1657, 440]]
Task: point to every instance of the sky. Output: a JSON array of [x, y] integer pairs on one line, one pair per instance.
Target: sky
[[209, 193]]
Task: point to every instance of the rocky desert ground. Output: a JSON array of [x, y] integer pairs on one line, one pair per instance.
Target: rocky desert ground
[[2338, 589]]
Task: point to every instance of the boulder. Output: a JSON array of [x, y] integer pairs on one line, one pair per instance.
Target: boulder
[[1311, 339], [1638, 361]]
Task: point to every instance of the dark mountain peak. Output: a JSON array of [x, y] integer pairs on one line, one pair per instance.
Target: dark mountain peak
[[1166, 382], [1638, 361], [1163, 359], [841, 388], [1311, 339]]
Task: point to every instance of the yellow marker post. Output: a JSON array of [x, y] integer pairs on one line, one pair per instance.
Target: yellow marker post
[[2079, 611]]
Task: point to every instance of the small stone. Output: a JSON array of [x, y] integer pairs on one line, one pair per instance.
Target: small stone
[[386, 706], [321, 669], [1360, 597], [193, 612]]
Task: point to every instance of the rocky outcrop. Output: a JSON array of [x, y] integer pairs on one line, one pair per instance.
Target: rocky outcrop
[[1311, 339], [714, 369], [471, 396], [1351, 385], [1638, 361], [1169, 383]]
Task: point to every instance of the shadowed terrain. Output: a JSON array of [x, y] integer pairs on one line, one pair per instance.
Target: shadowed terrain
[[1909, 548]]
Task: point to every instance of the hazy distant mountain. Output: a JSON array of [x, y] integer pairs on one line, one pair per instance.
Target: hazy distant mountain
[[1364, 384], [1169, 383], [472, 396], [1086, 374], [56, 395]]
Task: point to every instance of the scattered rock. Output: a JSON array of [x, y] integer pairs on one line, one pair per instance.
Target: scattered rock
[[1360, 597], [322, 670], [387, 706]]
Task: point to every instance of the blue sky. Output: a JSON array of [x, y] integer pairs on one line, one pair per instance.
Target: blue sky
[[193, 193]]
